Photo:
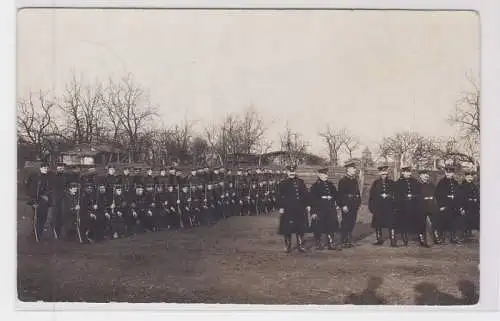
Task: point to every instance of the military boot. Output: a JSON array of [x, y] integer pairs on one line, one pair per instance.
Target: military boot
[[378, 233], [331, 243], [300, 243], [392, 233], [422, 239], [404, 236], [454, 239], [288, 244], [319, 244], [442, 236], [435, 237]]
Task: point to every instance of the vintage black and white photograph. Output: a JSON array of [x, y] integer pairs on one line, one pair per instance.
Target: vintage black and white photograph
[[325, 157]]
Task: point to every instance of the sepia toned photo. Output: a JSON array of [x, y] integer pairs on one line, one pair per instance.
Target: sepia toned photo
[[325, 157]]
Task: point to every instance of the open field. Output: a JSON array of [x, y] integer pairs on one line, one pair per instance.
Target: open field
[[241, 260]]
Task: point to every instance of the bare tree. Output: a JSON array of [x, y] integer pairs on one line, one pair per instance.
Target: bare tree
[[467, 118], [83, 109], [467, 110], [335, 140], [34, 121], [131, 109], [350, 142], [252, 131], [410, 148], [199, 150], [293, 144]]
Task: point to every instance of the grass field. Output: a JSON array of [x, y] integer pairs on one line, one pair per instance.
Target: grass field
[[241, 260]]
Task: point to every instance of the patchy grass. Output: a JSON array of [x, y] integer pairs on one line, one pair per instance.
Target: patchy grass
[[241, 260]]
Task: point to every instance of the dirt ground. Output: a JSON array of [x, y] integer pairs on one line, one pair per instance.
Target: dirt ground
[[241, 260]]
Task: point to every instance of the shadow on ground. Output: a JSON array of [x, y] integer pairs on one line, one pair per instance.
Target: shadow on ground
[[427, 293]]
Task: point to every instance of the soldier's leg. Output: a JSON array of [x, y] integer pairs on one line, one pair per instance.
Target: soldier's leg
[[456, 225], [352, 218], [317, 232], [288, 243], [57, 219], [39, 219]]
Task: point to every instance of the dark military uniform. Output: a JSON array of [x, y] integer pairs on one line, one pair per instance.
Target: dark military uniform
[[410, 218], [293, 200], [71, 211], [350, 197], [430, 209], [324, 204], [381, 205], [39, 190], [88, 209], [118, 210], [470, 205], [448, 200], [59, 184]]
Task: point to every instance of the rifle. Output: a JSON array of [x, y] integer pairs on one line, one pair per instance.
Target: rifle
[[78, 232], [35, 209], [179, 205], [190, 206]]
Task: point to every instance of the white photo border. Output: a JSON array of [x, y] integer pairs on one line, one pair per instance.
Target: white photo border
[[489, 12]]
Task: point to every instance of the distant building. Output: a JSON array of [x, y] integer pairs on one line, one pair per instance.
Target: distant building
[[90, 155]]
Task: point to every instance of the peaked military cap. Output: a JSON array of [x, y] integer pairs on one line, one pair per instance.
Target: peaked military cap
[[449, 168], [405, 168], [44, 164], [383, 167], [291, 168], [350, 164], [60, 164], [323, 170], [469, 172]]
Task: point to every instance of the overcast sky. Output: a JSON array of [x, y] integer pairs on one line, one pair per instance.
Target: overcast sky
[[374, 72]]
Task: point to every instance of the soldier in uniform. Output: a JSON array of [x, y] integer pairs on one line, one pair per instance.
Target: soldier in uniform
[[39, 190], [149, 216], [103, 216], [127, 182], [381, 205], [71, 211], [59, 187], [118, 210], [448, 201], [139, 209], [88, 211], [324, 220], [185, 206], [161, 201], [409, 205], [293, 201], [470, 204], [350, 201], [429, 205]]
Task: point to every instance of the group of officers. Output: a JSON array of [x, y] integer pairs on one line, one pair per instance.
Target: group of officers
[[88, 207], [401, 206]]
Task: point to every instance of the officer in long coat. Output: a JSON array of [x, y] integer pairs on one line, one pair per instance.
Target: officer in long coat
[[350, 201], [429, 205], [381, 204], [59, 184], [470, 203], [448, 199], [293, 202], [324, 220], [39, 190], [408, 205]]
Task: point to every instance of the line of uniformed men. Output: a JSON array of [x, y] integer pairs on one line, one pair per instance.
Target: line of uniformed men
[[401, 206], [90, 208]]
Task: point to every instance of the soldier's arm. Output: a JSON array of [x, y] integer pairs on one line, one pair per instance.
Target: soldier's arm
[[372, 197]]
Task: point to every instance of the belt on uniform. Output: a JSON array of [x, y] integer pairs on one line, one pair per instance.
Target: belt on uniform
[[326, 197], [428, 198], [472, 199], [451, 196], [353, 195]]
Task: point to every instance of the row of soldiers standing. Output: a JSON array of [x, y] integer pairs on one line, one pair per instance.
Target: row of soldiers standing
[[401, 206], [90, 207]]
